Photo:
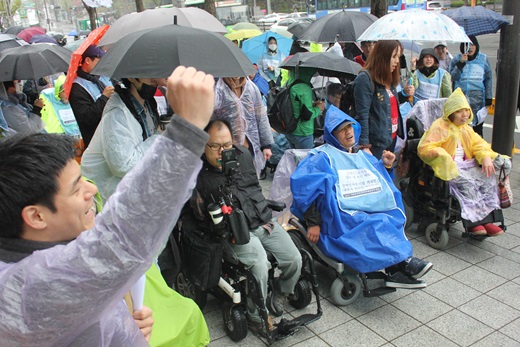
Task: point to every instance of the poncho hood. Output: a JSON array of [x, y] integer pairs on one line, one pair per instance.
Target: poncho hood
[[455, 102], [335, 117], [58, 86]]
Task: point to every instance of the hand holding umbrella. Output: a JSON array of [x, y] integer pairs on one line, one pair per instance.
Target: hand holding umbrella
[[93, 38]]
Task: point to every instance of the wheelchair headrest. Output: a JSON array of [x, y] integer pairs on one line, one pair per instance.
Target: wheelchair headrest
[[414, 128]]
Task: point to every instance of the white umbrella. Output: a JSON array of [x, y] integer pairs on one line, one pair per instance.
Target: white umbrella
[[415, 25], [186, 16]]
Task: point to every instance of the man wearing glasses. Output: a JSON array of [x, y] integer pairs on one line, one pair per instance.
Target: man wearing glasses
[[89, 93], [265, 232]]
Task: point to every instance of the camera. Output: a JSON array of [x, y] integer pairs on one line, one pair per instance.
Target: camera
[[224, 215], [229, 162]]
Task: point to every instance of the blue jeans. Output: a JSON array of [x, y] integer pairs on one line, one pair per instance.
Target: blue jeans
[[300, 142]]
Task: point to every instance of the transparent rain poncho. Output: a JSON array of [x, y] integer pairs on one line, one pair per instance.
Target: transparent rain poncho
[[71, 295], [116, 147], [477, 193], [18, 119], [246, 115]]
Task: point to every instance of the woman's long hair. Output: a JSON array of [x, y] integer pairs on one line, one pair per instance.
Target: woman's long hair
[[378, 63]]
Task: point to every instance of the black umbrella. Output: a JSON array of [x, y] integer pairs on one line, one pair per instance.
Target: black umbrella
[[343, 26], [10, 41], [298, 28], [14, 30], [327, 64], [33, 61], [158, 51]]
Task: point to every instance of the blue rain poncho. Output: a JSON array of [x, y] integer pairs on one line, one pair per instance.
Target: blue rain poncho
[[71, 295], [363, 228]]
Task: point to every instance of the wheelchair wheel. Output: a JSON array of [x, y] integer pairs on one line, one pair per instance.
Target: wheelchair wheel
[[235, 322], [184, 287], [437, 240], [302, 296], [299, 240], [342, 296]]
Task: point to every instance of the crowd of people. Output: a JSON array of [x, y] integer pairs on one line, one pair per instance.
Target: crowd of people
[[88, 233]]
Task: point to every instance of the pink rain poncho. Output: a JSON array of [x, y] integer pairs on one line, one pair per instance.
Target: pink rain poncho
[[71, 295]]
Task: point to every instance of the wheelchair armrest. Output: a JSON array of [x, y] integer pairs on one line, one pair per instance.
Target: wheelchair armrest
[[277, 206]]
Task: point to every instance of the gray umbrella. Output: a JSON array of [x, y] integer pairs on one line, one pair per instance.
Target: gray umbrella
[[342, 26], [33, 61], [14, 30], [298, 28], [10, 41], [187, 16], [157, 52], [327, 64]]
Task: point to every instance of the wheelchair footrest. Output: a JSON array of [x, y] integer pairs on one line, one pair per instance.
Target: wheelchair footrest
[[378, 275], [466, 234], [286, 328], [378, 292]]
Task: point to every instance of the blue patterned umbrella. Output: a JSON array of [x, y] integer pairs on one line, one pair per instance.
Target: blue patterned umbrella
[[477, 20]]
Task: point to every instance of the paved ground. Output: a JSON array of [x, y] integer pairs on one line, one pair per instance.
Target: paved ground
[[472, 299]]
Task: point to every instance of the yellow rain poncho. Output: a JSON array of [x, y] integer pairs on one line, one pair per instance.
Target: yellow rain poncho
[[439, 142]]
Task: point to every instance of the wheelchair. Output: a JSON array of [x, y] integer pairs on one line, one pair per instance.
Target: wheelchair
[[349, 283], [427, 199], [235, 283]]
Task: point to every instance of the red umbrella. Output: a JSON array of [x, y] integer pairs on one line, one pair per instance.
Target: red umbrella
[[92, 39], [26, 34]]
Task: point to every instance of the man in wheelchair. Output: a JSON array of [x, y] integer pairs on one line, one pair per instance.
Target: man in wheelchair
[[459, 155], [352, 208], [228, 179]]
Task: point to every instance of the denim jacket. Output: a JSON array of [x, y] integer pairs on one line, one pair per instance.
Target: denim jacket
[[372, 105]]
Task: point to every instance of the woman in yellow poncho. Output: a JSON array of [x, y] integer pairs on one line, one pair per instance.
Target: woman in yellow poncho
[[455, 151]]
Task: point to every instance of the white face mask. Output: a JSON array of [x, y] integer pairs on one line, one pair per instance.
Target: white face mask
[[272, 47]]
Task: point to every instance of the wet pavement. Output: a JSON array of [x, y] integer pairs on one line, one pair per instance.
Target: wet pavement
[[472, 298]]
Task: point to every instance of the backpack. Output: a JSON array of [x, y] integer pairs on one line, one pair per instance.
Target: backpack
[[280, 109], [347, 103]]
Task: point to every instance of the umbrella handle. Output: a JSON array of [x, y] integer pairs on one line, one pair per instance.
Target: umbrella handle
[[174, 19]]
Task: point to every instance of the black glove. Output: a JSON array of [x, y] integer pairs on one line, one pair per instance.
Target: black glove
[[460, 65], [489, 102]]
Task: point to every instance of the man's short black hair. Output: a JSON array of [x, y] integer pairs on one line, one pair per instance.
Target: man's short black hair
[[334, 89], [8, 84], [219, 123], [29, 169]]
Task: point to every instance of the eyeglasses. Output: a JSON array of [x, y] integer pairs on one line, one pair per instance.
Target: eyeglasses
[[215, 147]]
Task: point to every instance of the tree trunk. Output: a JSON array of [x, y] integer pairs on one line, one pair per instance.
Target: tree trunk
[[91, 15], [209, 6], [139, 6], [379, 7]]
